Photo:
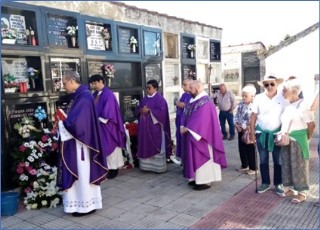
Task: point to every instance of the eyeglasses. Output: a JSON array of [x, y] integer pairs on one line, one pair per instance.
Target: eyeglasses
[[266, 85]]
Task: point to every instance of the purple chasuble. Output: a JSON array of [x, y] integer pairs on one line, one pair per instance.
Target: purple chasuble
[[112, 134], [82, 124], [149, 134], [185, 98], [201, 117]]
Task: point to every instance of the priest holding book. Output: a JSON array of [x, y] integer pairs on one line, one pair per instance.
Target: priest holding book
[[82, 166], [112, 132]]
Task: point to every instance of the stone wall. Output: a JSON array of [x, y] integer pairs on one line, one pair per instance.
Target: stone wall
[[124, 13]]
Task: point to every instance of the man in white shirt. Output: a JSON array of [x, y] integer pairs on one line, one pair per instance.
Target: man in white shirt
[[264, 123]]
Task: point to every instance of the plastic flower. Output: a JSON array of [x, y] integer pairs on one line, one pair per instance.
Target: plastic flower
[[10, 81], [108, 70], [72, 31], [191, 47], [33, 73], [105, 34], [40, 113], [9, 33], [133, 41]]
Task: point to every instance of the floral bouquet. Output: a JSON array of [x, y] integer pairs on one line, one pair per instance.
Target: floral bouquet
[[10, 81], [133, 41], [72, 31], [57, 85], [35, 176], [45, 193], [105, 34], [33, 73], [191, 47], [108, 70]]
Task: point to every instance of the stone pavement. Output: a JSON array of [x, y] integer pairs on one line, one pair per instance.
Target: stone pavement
[[137, 199]]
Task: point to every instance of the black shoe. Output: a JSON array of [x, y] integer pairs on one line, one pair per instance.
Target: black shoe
[[192, 183], [199, 187], [231, 138], [224, 137], [169, 161], [112, 173], [79, 214]]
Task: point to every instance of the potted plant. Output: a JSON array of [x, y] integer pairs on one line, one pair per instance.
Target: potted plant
[[10, 84], [9, 36]]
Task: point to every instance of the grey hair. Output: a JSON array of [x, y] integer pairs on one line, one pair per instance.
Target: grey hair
[[249, 89], [293, 85], [72, 75]]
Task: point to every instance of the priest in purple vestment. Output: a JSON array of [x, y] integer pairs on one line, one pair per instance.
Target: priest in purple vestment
[[185, 98], [112, 133], [154, 137], [82, 164], [202, 142]]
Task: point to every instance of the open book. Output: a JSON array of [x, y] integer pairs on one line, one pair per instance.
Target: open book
[[60, 115]]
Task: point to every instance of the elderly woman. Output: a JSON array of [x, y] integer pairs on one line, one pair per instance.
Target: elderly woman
[[242, 120], [298, 121]]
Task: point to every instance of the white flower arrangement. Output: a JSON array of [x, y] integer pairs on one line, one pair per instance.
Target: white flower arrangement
[[133, 41], [72, 31], [191, 47]]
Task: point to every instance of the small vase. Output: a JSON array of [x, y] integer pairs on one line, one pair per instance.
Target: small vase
[[73, 41], [33, 41], [106, 42], [23, 87], [133, 48], [32, 84], [191, 54], [108, 81]]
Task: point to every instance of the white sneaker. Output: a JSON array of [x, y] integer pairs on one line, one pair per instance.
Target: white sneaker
[[243, 169], [175, 160], [252, 172]]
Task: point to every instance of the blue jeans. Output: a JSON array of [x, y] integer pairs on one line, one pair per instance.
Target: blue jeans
[[223, 116], [264, 162]]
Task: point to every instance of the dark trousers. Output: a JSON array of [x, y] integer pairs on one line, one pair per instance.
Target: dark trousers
[[247, 154], [264, 162], [223, 116]]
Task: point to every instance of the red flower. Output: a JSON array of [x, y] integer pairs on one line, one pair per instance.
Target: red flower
[[28, 168], [44, 138], [19, 170], [27, 190], [54, 146], [22, 148]]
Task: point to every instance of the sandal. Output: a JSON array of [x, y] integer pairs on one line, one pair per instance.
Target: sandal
[[299, 198], [290, 193]]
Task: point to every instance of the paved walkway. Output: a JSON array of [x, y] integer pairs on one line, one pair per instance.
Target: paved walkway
[[137, 199]]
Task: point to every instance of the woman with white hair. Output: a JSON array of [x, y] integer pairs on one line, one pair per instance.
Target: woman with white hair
[[242, 120], [298, 121]]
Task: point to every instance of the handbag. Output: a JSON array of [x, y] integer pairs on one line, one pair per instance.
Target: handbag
[[246, 137], [283, 139]]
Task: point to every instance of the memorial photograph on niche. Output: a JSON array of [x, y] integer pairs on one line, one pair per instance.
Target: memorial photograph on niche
[[152, 43], [188, 47], [21, 74], [62, 31], [215, 51], [98, 36], [128, 40], [128, 103], [171, 45], [18, 27], [153, 72], [58, 66], [125, 74]]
